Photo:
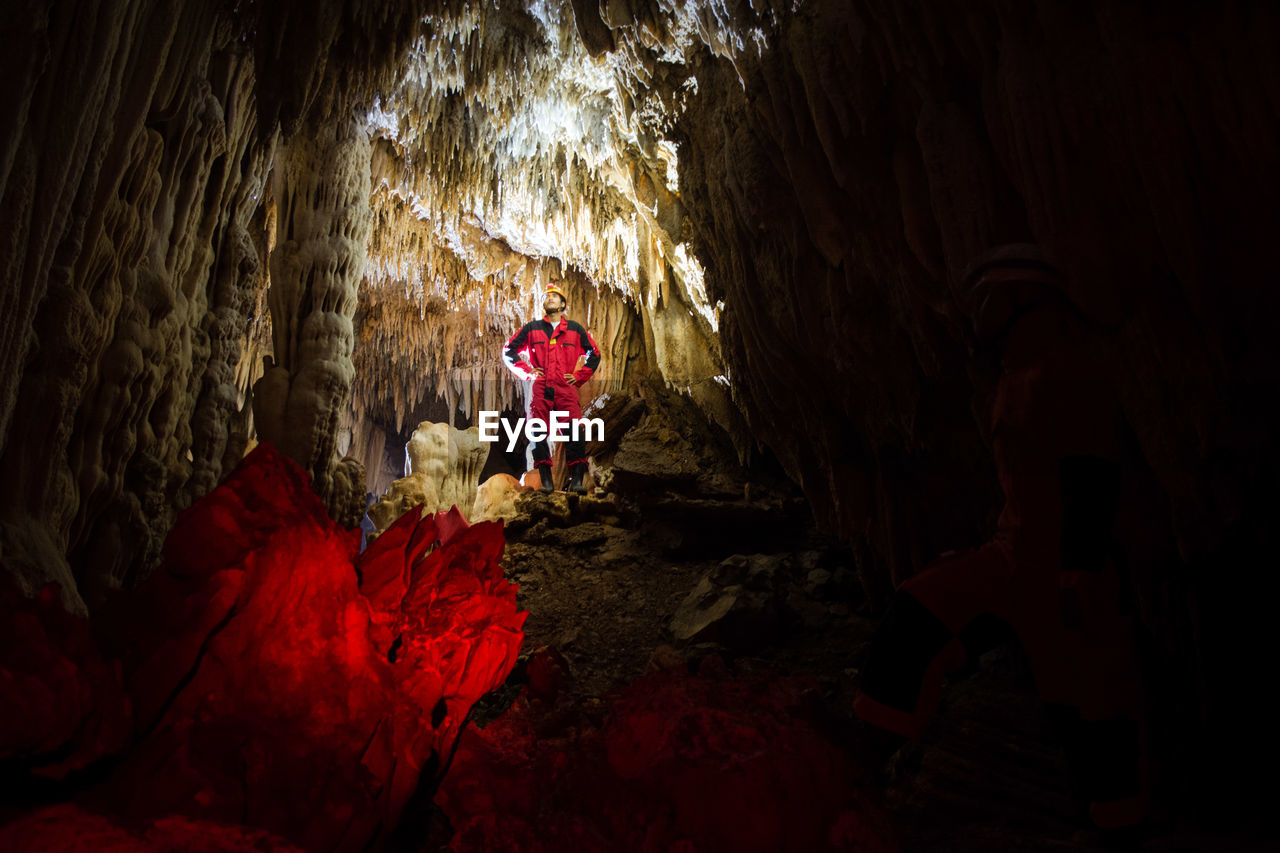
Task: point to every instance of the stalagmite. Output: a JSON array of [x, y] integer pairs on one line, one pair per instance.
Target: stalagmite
[[496, 498], [322, 187], [444, 467]]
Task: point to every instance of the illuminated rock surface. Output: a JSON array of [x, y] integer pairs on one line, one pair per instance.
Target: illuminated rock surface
[[275, 677], [338, 678], [496, 498]]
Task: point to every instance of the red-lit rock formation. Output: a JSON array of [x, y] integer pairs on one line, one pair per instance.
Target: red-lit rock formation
[[286, 682], [277, 678]]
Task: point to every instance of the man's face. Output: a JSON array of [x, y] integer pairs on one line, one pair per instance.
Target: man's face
[[552, 302]]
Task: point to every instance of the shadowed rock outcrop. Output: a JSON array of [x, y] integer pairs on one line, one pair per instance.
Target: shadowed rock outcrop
[[840, 185]]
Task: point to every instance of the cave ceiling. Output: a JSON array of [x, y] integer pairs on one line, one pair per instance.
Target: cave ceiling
[[505, 152]]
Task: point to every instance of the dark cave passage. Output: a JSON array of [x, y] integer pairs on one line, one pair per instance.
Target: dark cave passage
[[932, 347]]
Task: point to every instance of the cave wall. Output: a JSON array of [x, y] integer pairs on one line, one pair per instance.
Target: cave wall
[[125, 247], [133, 180], [840, 183], [880, 148]]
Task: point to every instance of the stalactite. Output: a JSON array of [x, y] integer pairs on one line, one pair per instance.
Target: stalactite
[[507, 153], [436, 309]]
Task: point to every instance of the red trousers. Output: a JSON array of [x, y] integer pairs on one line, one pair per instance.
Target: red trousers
[[548, 397]]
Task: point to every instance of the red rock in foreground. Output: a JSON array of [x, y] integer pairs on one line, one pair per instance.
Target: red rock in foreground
[[673, 763], [281, 680], [305, 687]]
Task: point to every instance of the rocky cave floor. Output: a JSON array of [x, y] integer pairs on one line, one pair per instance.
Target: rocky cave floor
[[615, 589]]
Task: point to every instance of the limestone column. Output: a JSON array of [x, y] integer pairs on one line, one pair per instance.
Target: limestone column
[[321, 186]]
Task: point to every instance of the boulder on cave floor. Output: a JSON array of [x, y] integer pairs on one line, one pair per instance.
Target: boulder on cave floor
[[748, 601], [736, 604], [671, 446], [496, 499], [562, 509]]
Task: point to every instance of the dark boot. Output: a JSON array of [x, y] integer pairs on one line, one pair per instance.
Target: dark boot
[[575, 478], [544, 471]]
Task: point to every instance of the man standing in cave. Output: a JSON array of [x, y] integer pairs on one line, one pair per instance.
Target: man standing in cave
[[559, 355], [1048, 573]]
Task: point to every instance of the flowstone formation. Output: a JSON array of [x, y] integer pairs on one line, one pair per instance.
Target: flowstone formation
[[322, 224], [444, 465], [128, 264], [135, 198]]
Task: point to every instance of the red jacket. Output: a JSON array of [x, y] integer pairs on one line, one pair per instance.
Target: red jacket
[[555, 350]]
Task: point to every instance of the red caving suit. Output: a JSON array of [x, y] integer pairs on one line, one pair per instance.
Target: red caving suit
[[556, 350]]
